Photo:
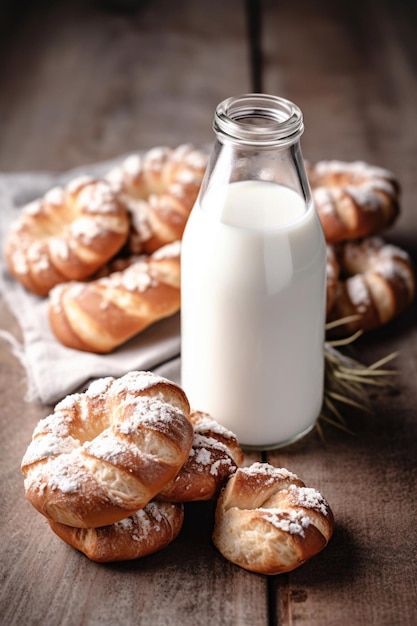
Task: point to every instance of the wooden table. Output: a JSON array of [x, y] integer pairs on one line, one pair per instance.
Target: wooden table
[[81, 82]]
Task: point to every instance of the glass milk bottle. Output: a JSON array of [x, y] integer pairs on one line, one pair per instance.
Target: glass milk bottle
[[253, 279]]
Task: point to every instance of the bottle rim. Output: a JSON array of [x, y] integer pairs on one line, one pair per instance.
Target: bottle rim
[[258, 120]]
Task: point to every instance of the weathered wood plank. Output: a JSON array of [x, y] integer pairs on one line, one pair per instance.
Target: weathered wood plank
[[97, 84]]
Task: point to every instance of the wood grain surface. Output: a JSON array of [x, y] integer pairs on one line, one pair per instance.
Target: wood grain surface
[[86, 81]]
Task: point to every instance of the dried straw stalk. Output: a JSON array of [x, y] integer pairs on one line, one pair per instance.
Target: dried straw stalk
[[346, 380]]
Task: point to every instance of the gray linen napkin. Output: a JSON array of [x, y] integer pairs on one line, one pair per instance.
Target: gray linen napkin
[[53, 371]]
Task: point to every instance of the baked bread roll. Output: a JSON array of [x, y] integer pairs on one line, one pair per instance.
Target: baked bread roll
[[353, 199], [215, 454], [66, 235], [105, 453], [148, 530], [267, 521], [377, 283], [159, 190], [100, 315]]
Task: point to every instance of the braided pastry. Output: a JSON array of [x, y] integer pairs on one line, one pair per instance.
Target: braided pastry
[[159, 189], [66, 235], [377, 284], [353, 199], [104, 454], [100, 315], [267, 521], [214, 456], [148, 530]]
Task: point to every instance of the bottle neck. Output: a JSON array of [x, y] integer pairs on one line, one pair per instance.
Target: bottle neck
[[257, 139]]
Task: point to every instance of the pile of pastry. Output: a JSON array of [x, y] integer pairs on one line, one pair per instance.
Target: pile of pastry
[[111, 469], [369, 281], [107, 251]]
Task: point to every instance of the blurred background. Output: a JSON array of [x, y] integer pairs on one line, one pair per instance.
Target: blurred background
[[86, 80]]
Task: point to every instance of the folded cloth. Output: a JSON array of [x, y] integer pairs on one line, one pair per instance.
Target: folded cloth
[[53, 370]]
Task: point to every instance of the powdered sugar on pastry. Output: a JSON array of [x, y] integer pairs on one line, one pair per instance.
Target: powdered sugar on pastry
[[377, 282], [100, 315], [214, 456], [353, 199], [66, 235], [146, 531], [267, 521], [159, 190], [104, 454]]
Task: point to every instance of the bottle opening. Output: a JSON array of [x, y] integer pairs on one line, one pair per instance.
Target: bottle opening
[[258, 119]]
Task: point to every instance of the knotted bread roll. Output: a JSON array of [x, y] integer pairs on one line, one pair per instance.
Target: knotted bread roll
[[105, 453], [66, 235], [267, 521], [353, 199], [100, 315], [376, 283]]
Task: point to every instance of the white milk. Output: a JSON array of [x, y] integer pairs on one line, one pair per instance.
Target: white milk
[[253, 311]]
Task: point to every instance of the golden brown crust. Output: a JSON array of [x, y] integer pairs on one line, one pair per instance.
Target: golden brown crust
[[377, 283], [353, 199], [148, 530], [104, 454], [100, 315], [159, 190], [66, 235], [268, 522], [214, 456]]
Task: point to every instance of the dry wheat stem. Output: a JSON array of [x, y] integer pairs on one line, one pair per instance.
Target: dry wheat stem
[[346, 380]]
